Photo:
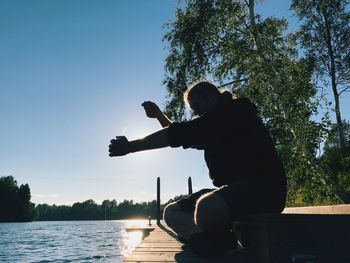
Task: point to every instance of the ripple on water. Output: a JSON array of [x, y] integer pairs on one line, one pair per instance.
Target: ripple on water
[[70, 241]]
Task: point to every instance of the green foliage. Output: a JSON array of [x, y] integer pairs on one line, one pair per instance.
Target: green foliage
[[108, 210], [89, 210], [225, 41], [335, 160], [15, 202], [332, 141], [325, 35]]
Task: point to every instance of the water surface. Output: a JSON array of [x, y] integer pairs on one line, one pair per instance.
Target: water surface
[[67, 241]]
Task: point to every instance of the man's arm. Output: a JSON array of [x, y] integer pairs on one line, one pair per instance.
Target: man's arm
[[156, 140], [163, 120], [121, 146], [153, 111]]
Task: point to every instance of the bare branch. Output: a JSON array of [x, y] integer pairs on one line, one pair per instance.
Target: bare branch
[[232, 82], [246, 2], [347, 89]]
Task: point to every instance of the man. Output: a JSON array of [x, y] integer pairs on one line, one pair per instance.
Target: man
[[241, 159]]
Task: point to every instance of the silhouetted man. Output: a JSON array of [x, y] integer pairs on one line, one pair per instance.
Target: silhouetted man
[[241, 158]]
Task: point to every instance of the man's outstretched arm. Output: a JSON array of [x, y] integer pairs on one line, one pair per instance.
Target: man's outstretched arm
[[121, 146], [158, 139]]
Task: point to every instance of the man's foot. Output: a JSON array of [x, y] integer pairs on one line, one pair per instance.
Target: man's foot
[[211, 245]]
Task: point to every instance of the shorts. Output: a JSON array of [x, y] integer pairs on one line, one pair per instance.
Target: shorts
[[243, 198]]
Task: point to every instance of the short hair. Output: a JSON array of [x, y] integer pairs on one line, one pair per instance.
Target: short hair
[[200, 88]]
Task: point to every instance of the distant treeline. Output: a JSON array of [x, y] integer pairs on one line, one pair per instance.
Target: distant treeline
[[15, 202], [89, 210], [15, 206]]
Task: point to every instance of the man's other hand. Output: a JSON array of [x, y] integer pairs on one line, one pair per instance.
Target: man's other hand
[[119, 146], [151, 109]]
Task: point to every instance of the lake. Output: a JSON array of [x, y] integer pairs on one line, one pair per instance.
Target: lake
[[68, 241]]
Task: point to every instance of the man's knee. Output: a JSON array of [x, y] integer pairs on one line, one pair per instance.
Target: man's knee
[[168, 214], [212, 213]]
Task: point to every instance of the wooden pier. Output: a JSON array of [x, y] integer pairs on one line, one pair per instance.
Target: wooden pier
[[299, 235], [161, 245], [317, 234]]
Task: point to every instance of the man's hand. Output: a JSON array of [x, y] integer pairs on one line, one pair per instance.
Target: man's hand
[[119, 146], [151, 109]]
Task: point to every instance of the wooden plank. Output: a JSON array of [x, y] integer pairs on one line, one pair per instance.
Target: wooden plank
[[280, 238], [293, 218], [158, 249], [198, 260], [159, 240], [160, 246], [134, 228], [184, 256], [157, 256], [162, 235], [321, 210], [155, 236]]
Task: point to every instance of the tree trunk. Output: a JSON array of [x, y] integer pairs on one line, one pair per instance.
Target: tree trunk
[[337, 189], [334, 83], [252, 13]]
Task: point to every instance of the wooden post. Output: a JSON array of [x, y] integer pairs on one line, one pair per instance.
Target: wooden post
[[158, 201], [189, 185]]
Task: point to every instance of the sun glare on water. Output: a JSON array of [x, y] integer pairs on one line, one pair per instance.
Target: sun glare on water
[[132, 239]]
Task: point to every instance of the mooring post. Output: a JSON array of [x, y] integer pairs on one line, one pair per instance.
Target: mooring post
[[158, 201], [189, 185]]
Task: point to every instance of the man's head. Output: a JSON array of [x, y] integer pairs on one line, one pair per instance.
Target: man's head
[[202, 97]]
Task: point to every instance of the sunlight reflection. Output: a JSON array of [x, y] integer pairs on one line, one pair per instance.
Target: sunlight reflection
[[130, 240], [137, 223]]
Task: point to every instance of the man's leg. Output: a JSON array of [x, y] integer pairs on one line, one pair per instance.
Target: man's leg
[[212, 217], [181, 222], [179, 215], [215, 211], [212, 213]]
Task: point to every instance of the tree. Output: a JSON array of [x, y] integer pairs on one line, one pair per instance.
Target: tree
[[89, 210], [226, 41], [325, 35], [336, 161], [26, 209], [8, 196], [15, 202], [333, 138]]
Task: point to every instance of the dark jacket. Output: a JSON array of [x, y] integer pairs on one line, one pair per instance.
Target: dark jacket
[[236, 144]]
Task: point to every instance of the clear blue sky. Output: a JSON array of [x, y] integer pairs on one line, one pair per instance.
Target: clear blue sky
[[73, 74]]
